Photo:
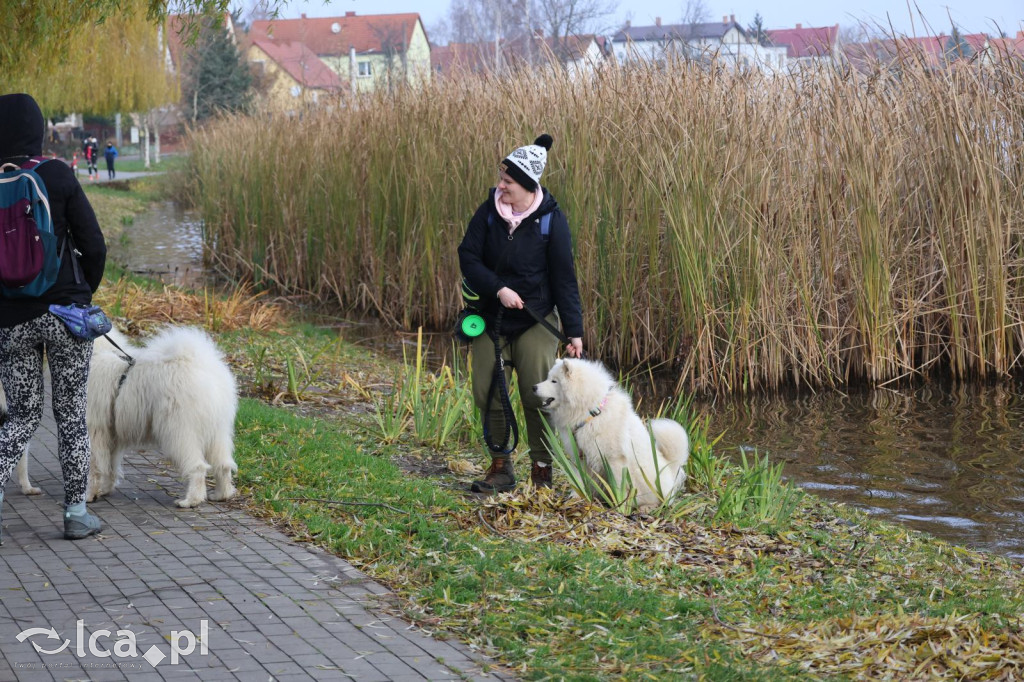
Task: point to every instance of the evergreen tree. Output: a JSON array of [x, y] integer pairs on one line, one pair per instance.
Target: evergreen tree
[[957, 47], [756, 30], [216, 78]]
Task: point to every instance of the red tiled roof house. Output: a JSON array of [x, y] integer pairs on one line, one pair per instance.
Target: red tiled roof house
[[364, 52], [805, 46]]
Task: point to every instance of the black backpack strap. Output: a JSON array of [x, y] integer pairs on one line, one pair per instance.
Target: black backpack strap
[[75, 267]]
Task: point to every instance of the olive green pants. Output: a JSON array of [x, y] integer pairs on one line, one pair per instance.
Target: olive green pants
[[531, 355]]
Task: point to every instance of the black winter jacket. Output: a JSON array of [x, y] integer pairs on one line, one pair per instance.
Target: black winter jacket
[[541, 272], [21, 137]]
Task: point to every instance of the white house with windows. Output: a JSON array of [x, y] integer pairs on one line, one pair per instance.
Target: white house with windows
[[725, 41]]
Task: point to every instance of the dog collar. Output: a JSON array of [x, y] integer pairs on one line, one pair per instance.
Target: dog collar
[[593, 413]]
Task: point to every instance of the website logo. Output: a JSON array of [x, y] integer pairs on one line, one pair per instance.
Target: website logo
[[120, 645]]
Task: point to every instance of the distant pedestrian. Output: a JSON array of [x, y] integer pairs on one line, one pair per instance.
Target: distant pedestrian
[[110, 154], [91, 149]]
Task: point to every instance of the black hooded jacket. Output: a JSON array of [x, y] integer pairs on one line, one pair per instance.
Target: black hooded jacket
[[21, 137], [541, 272]]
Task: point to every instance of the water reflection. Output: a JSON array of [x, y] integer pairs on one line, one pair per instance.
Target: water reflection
[[164, 243], [942, 459]]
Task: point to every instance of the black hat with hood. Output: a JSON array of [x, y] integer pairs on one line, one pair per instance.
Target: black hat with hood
[[22, 126]]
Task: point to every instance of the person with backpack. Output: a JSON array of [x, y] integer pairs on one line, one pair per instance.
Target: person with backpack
[[28, 329], [516, 256], [110, 154]]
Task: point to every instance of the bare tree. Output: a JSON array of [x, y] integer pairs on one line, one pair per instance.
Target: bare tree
[[396, 53], [695, 12], [563, 18], [858, 33], [475, 21], [255, 10], [488, 21], [440, 32]]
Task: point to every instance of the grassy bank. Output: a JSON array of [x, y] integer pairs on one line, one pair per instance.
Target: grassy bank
[[557, 587], [817, 231], [560, 588]]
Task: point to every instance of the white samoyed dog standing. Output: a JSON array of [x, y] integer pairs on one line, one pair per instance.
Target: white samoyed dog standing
[[180, 397], [584, 402]]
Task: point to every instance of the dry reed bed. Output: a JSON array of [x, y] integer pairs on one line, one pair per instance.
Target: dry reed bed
[[144, 307], [746, 232]]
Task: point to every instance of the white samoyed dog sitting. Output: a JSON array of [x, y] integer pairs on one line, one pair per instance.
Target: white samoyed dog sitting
[[584, 402], [179, 397]]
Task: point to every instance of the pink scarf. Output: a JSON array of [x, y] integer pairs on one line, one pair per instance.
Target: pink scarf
[[506, 213]]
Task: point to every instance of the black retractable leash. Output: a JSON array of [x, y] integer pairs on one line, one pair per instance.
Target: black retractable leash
[[500, 386], [129, 359], [547, 325]]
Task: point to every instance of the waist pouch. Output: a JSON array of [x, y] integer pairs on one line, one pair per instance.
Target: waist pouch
[[84, 321]]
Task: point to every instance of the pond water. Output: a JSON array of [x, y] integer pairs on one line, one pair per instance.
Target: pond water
[[943, 459], [164, 243]]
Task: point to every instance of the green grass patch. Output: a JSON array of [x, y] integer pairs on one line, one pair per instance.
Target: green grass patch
[[168, 163], [534, 602], [601, 595]]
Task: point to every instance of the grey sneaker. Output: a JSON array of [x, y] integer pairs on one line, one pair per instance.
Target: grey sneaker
[[78, 525]]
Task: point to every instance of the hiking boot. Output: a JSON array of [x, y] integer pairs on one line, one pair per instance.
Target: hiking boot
[[540, 474], [78, 523], [498, 479]]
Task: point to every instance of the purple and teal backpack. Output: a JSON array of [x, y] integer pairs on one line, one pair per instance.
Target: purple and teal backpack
[[29, 258]]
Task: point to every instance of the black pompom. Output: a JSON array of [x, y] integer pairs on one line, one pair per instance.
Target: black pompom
[[544, 141]]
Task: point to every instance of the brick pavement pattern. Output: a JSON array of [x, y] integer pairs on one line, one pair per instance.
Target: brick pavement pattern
[[273, 609]]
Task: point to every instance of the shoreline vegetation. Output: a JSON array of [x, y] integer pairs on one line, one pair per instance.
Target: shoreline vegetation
[[809, 231], [739, 578]]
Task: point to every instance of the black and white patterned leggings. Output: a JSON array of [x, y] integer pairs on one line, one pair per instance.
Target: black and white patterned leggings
[[21, 373]]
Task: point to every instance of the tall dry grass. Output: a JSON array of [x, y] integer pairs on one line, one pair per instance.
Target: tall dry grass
[[745, 231]]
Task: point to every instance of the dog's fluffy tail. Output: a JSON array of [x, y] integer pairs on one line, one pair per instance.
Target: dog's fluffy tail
[[673, 443]]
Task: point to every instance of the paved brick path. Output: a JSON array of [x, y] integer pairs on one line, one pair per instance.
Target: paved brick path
[[272, 609]]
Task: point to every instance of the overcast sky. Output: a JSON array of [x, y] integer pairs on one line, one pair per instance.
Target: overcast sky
[[970, 15]]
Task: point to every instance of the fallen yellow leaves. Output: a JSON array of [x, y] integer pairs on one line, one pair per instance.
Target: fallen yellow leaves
[[887, 647], [463, 467], [531, 514]]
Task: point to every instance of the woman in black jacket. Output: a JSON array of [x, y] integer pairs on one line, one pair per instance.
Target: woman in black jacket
[[515, 259], [27, 328]]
